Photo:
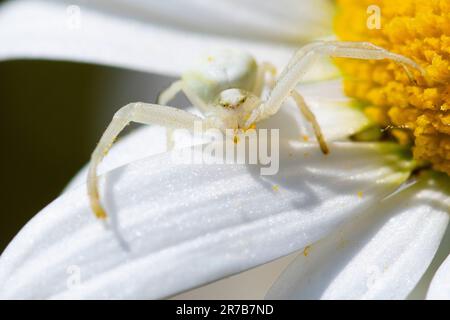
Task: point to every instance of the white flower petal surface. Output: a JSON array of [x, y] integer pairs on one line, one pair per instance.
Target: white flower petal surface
[[421, 289], [338, 119], [187, 224], [381, 255], [158, 36], [440, 285], [284, 20]]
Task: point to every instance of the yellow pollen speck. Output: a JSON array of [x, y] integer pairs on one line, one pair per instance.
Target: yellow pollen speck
[[306, 251], [99, 212], [360, 194], [305, 138], [275, 188], [236, 139], [419, 30], [210, 58]]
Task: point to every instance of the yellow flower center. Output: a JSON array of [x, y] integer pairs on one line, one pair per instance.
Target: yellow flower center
[[413, 112]]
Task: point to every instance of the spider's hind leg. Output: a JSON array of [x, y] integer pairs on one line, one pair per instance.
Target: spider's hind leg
[[168, 94]]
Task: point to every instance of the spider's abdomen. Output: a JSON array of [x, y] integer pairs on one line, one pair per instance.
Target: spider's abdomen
[[221, 70]]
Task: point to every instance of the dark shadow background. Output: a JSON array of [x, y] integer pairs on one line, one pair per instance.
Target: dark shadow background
[[51, 117]]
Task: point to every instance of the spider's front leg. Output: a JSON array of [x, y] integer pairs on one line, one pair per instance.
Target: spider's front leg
[[300, 62], [139, 112], [298, 67]]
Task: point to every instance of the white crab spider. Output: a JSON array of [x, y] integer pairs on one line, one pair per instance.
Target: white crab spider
[[227, 88]]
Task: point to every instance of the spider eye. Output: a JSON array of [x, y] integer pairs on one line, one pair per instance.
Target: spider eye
[[232, 98]]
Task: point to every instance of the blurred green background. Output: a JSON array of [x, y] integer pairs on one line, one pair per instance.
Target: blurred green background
[[51, 117]]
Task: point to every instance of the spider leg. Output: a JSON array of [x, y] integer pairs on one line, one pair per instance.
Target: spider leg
[[134, 112], [309, 115], [263, 69], [355, 45], [179, 86], [164, 97], [404, 62], [299, 54], [267, 67], [170, 93], [294, 72], [169, 139]]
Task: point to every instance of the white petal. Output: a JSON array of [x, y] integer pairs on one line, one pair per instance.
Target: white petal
[[326, 90], [339, 120], [187, 225], [158, 36], [420, 291], [381, 255], [440, 285], [323, 69], [285, 20], [339, 117]]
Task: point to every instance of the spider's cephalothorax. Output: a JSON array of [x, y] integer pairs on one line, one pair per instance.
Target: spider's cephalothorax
[[226, 87], [218, 71]]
